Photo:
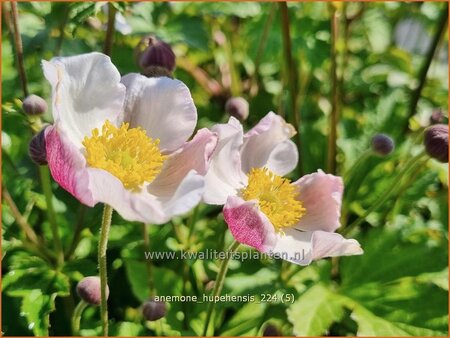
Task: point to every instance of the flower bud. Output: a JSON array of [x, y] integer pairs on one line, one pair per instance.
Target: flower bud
[[436, 116], [153, 310], [436, 142], [237, 107], [152, 52], [36, 148], [89, 290], [34, 105], [271, 331], [382, 144]]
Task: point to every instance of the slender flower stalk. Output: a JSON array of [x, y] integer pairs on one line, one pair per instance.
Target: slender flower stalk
[[148, 262], [107, 48], [334, 116], [102, 246], [76, 317], [290, 71], [46, 187], [422, 76], [19, 47], [387, 194], [261, 47], [218, 285]]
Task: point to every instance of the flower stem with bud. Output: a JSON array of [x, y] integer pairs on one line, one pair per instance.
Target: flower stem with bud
[[76, 317]]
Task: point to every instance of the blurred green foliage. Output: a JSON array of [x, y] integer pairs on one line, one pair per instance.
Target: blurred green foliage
[[399, 287]]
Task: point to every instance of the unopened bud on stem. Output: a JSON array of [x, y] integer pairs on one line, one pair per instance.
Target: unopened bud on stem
[[436, 142], [382, 144], [34, 105], [89, 290]]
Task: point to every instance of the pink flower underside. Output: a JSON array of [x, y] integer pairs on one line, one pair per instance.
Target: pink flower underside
[[248, 225], [67, 166]]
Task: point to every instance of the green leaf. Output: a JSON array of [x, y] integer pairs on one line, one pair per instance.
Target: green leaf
[[371, 325], [36, 307], [313, 313]]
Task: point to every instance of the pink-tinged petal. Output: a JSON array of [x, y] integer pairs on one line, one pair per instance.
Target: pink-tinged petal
[[321, 195], [86, 91], [194, 155], [328, 244], [262, 146], [132, 206], [248, 224], [303, 247], [67, 165], [225, 176], [163, 107]]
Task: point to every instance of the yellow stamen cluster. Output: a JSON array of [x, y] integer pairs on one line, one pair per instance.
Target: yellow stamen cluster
[[277, 197], [128, 154]]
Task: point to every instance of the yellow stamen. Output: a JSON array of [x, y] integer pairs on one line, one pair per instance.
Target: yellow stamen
[[128, 154], [277, 197]]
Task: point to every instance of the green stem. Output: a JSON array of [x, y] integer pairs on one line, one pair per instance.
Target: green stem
[[261, 46], [107, 48], [290, 71], [333, 121], [417, 92], [348, 176], [218, 285], [47, 190], [76, 317], [148, 261], [102, 246], [19, 47], [387, 194]]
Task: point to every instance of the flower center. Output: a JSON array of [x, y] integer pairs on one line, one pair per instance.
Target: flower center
[[128, 154], [277, 197]]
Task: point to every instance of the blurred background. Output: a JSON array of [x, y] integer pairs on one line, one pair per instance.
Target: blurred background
[[339, 72]]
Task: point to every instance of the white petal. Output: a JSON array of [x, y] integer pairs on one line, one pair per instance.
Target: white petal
[[302, 247], [329, 244], [262, 146], [225, 176], [163, 107], [294, 246], [132, 206], [86, 92], [283, 158]]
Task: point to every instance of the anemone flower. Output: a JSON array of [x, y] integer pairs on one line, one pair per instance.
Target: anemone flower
[[294, 221], [123, 142]]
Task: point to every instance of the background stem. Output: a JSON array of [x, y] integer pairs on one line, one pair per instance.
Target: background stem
[[107, 48], [333, 121], [291, 71], [19, 47], [46, 188], [76, 318], [422, 76], [102, 246], [218, 285]]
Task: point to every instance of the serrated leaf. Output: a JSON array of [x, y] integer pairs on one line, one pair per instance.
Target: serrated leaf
[[313, 313], [36, 307], [371, 325]]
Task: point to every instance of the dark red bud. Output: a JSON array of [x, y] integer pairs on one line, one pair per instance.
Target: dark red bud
[[89, 290], [153, 310], [237, 107], [382, 144], [436, 142], [152, 52], [34, 105]]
